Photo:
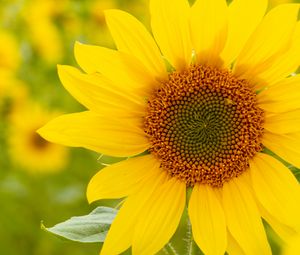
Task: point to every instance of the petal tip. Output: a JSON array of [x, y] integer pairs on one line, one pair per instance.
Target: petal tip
[[41, 131]]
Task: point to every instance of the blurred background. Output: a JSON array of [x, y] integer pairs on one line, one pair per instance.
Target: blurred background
[[38, 180]]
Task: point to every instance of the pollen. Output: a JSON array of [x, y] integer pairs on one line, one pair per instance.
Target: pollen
[[204, 125]]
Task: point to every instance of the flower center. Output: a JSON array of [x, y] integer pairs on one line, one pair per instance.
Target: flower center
[[204, 125], [38, 142]]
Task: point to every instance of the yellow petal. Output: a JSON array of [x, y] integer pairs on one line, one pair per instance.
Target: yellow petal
[[118, 67], [282, 97], [208, 220], [159, 218], [120, 235], [243, 218], [283, 231], [121, 179], [170, 26], [99, 94], [282, 123], [119, 138], [286, 146], [209, 29], [292, 247], [243, 18], [132, 37], [276, 188], [233, 247], [271, 38], [286, 63]]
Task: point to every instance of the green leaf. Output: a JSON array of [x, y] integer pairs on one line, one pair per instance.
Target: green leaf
[[182, 241], [89, 228]]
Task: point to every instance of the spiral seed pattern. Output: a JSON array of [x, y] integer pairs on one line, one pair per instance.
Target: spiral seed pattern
[[204, 125]]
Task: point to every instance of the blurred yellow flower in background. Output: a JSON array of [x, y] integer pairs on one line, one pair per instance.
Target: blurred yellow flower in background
[[44, 35], [206, 123], [10, 55], [13, 94], [95, 25], [29, 150]]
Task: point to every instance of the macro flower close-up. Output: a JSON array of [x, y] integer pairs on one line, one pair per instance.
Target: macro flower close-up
[[205, 110]]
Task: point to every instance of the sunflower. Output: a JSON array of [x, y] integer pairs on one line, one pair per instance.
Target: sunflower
[[44, 35], [96, 21], [10, 56], [30, 151], [13, 94], [199, 111]]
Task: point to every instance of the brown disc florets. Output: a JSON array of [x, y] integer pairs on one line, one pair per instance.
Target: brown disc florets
[[204, 125], [38, 142]]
